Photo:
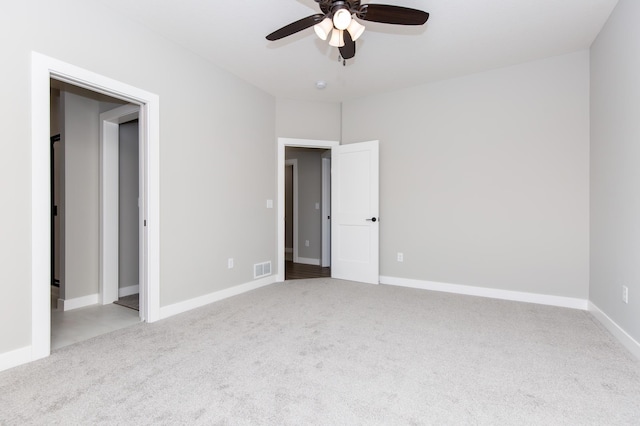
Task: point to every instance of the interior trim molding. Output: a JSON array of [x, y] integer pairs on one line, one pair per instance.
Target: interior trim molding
[[78, 302], [15, 358], [308, 261], [197, 302], [128, 291], [493, 293], [618, 332]]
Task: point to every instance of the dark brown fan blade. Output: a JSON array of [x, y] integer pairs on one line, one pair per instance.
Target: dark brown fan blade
[[294, 27], [348, 51], [388, 14]]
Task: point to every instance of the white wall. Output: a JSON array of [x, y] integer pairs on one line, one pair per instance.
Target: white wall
[[615, 167], [211, 208], [484, 179]]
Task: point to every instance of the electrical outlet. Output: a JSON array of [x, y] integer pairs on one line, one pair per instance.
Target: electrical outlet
[[400, 257], [230, 262], [625, 294]]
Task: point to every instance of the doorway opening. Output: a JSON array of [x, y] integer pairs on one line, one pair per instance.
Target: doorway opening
[[80, 178], [305, 197], [128, 216], [44, 69], [121, 217], [304, 232]]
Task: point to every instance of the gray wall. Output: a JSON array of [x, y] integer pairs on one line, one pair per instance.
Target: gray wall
[[308, 120], [484, 180], [309, 193], [128, 205], [80, 209], [210, 207], [615, 167]]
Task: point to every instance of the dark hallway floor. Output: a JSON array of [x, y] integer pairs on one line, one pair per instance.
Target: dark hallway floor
[[298, 271]]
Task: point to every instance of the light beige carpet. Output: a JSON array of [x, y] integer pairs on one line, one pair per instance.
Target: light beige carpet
[[334, 352]]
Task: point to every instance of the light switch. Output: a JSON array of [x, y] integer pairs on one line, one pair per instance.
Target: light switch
[[317, 206], [269, 204]]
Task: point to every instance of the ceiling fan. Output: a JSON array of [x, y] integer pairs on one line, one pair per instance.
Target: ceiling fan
[[338, 20]]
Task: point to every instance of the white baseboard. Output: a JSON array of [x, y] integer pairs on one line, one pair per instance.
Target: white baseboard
[[308, 261], [187, 305], [128, 291], [494, 293], [15, 358], [623, 337], [78, 302]]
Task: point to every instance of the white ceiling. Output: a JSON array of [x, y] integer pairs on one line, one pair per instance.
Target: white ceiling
[[461, 37]]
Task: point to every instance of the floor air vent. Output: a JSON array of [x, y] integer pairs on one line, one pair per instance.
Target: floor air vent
[[261, 269]]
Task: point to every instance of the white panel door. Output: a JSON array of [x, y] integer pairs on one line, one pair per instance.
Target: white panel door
[[354, 212]]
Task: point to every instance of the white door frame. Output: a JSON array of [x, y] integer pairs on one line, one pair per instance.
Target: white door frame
[[43, 68], [294, 164], [110, 200], [282, 144], [326, 212]]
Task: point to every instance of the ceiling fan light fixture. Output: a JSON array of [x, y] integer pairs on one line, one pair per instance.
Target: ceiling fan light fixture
[[355, 29], [337, 38], [342, 19], [323, 28], [338, 16]]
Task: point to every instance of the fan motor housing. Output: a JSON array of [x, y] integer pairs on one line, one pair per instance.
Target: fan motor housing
[[329, 7]]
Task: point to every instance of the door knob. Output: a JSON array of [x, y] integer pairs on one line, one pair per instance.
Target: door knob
[[373, 219]]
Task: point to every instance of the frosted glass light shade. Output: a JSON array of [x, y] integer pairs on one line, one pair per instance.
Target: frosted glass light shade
[[355, 29], [342, 19], [337, 38], [323, 28]]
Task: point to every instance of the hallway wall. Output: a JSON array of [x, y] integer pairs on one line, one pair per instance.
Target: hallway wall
[[81, 206]]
